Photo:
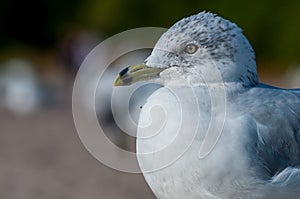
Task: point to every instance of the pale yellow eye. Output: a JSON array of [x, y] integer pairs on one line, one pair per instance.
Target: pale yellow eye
[[191, 48]]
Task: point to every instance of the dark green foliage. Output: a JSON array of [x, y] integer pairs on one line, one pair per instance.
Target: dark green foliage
[[272, 26]]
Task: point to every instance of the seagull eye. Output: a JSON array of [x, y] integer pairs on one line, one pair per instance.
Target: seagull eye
[[191, 48]]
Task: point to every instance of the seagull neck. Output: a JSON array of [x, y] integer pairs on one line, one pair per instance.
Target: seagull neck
[[230, 88]]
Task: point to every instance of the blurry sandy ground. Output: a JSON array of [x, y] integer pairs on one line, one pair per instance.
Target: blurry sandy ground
[[41, 156]]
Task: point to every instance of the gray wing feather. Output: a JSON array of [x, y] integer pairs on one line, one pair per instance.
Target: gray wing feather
[[277, 115]]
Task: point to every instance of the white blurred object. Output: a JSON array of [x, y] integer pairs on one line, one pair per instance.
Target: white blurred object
[[292, 76], [19, 87]]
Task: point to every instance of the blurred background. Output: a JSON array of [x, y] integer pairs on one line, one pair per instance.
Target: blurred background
[[43, 43]]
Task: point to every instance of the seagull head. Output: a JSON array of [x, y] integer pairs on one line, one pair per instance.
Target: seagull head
[[202, 48]]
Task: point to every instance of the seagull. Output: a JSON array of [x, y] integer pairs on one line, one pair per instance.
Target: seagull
[[213, 131]]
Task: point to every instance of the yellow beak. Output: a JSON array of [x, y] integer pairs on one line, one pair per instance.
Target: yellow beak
[[136, 73]]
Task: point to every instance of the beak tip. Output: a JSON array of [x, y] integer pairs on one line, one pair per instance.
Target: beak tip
[[117, 81]]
